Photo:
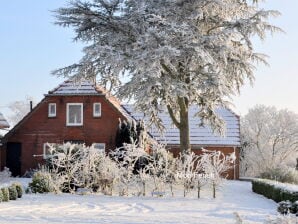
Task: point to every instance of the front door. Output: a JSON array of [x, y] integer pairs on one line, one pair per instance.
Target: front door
[[13, 158]]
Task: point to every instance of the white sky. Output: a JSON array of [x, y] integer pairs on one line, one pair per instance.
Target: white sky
[[31, 46]]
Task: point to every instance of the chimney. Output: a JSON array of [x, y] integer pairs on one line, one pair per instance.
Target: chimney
[[31, 105]]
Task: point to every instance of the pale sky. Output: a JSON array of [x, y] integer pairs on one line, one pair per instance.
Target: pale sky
[[31, 46]]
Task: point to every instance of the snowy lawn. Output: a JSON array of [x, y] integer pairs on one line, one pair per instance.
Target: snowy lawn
[[236, 196]]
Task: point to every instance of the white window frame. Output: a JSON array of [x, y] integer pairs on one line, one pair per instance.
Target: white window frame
[[94, 111], [100, 146], [49, 110], [67, 114]]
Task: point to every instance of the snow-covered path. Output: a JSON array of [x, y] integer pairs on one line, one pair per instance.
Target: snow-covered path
[[48, 208]]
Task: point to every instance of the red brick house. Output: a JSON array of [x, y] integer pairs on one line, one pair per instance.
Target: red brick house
[[85, 113]]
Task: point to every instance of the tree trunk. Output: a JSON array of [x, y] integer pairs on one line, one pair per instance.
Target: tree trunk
[[182, 123], [144, 189], [214, 190], [184, 129]]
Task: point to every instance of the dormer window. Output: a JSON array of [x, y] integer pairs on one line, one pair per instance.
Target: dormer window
[[52, 110], [96, 110], [74, 114]]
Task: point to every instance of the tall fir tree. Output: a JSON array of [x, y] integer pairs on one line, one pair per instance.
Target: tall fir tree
[[173, 53]]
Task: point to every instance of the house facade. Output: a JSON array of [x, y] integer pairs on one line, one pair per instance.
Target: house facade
[[85, 113], [79, 113]]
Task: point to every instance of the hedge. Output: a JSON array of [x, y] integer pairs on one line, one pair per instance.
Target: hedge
[[274, 190]]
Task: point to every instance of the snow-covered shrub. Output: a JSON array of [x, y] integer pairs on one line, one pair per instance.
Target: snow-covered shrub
[[13, 194], [64, 164], [1, 196], [162, 168], [75, 166], [19, 189], [107, 175], [127, 157], [5, 193], [275, 190], [294, 207], [284, 207], [5, 175], [41, 182]]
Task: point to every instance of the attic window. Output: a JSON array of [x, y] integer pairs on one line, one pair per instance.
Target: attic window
[[96, 110], [74, 114], [52, 110]]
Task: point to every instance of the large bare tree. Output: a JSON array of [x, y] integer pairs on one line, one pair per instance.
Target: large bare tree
[[269, 139]]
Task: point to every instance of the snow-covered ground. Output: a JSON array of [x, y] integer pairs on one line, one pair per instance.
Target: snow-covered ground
[[236, 196]]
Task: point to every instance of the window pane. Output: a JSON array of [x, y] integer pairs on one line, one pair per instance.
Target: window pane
[[97, 109], [100, 147], [75, 116], [52, 109]]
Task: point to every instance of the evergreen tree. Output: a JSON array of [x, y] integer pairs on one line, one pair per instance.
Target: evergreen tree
[[174, 53]]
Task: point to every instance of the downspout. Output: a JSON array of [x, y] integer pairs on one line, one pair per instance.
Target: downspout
[[235, 163]]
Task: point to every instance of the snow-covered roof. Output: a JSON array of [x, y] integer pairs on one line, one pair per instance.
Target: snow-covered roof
[[202, 136], [70, 87], [3, 122]]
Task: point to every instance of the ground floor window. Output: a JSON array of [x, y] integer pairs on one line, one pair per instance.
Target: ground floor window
[[101, 147], [47, 149]]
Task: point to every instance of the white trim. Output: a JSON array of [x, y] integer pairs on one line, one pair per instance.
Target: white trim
[[49, 110], [67, 114], [94, 111]]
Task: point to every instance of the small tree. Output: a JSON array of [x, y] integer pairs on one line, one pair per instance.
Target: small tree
[[216, 164], [201, 177], [162, 168], [188, 170]]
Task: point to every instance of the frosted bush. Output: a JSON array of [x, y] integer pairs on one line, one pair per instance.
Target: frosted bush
[[13, 194]]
